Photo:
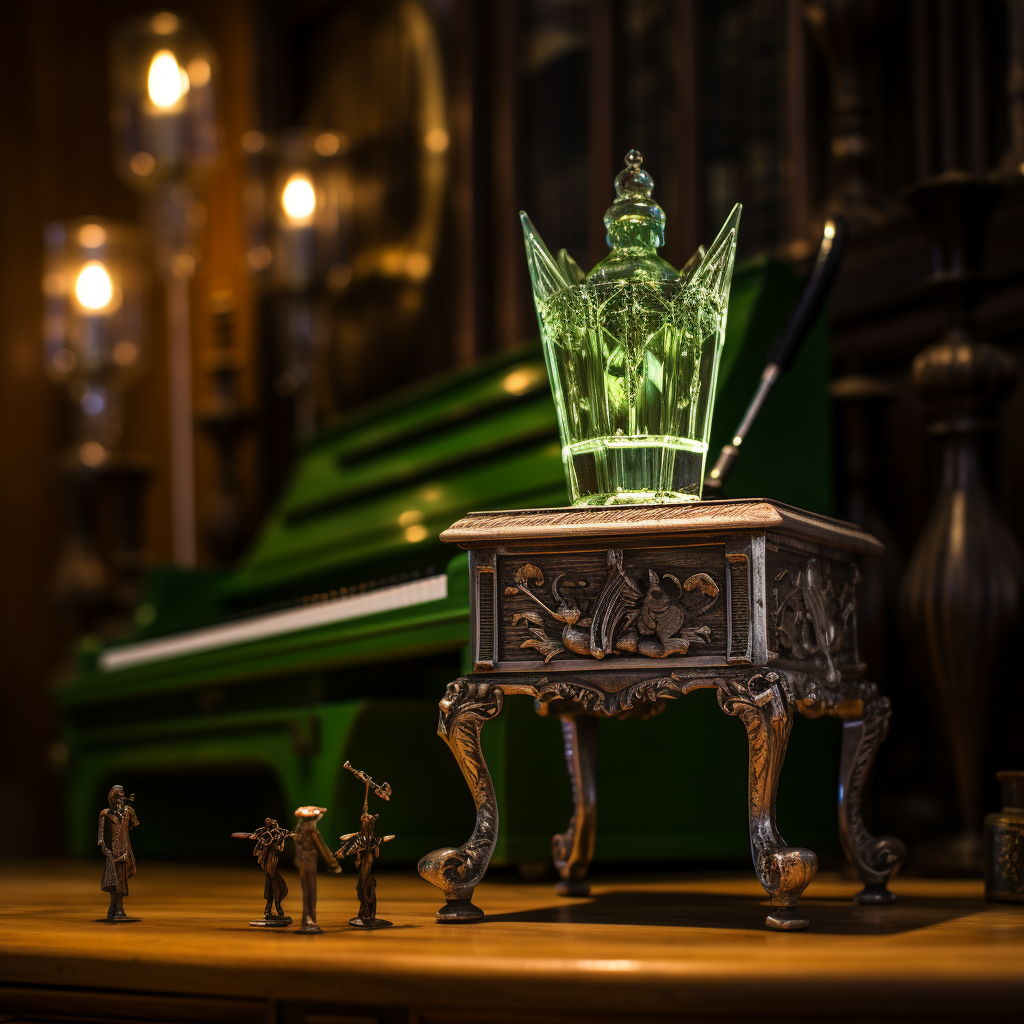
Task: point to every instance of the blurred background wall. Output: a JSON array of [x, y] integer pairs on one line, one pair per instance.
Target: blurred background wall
[[55, 116], [796, 109]]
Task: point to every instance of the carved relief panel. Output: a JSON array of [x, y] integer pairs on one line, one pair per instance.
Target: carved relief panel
[[812, 612], [605, 608]]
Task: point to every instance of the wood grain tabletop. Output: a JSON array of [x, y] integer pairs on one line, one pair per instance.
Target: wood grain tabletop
[[681, 946]]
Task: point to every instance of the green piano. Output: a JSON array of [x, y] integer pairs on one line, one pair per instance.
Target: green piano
[[240, 694]]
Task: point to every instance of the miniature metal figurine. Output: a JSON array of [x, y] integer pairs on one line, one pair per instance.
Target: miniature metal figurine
[[269, 845], [364, 846], [308, 842], [116, 821]]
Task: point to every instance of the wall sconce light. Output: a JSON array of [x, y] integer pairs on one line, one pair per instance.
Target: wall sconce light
[[94, 344], [93, 325], [163, 113], [163, 72], [299, 203]]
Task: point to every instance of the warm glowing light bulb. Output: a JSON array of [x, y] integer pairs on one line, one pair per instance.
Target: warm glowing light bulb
[[436, 140], [199, 72], [91, 236], [168, 81], [298, 199], [93, 287]]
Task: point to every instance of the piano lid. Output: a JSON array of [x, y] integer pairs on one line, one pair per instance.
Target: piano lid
[[371, 494]]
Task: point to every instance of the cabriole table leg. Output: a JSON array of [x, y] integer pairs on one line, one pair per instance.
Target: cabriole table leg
[[783, 871], [876, 858], [457, 871], [573, 849]]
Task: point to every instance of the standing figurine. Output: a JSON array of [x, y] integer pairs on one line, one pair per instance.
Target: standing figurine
[[307, 842], [116, 821], [365, 847], [269, 845]]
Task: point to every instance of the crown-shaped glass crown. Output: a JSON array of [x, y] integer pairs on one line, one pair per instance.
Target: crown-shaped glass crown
[[632, 350]]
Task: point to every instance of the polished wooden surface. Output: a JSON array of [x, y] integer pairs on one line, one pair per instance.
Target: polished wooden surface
[[608, 522], [655, 948]]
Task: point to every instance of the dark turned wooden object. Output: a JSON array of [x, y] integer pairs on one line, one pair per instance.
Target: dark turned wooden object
[[612, 611], [844, 31], [961, 594], [1013, 158], [859, 404]]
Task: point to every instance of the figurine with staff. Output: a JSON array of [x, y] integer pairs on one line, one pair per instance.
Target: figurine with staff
[[116, 822], [364, 846], [270, 840]]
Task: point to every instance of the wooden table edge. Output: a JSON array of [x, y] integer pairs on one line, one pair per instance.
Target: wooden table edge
[[980, 985]]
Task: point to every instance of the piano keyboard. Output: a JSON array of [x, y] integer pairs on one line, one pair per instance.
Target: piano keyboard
[[260, 627]]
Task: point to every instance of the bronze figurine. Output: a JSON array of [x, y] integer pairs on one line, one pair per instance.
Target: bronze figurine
[[308, 842], [116, 821], [364, 846], [270, 841]]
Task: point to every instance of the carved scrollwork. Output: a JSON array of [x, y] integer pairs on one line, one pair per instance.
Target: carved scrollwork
[[589, 698], [463, 701], [813, 697], [654, 614], [465, 707], [643, 699]]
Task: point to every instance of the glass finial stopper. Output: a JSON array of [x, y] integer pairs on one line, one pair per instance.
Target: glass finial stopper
[[634, 182], [635, 219]]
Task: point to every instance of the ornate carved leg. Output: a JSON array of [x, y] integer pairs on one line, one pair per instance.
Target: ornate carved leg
[[573, 849], [466, 705], [876, 859], [784, 871]]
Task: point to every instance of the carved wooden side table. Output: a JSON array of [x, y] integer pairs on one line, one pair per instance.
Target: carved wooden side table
[[614, 610]]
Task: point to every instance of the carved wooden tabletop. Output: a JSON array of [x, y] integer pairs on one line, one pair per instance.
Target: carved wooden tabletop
[[480, 529]]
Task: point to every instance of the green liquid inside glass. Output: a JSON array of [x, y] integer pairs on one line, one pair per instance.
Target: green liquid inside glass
[[632, 366]]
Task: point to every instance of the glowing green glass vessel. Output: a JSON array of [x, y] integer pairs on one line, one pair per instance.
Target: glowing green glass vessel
[[632, 351]]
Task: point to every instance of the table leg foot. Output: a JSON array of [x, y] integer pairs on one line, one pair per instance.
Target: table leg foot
[[573, 849], [875, 895], [572, 887], [462, 911], [456, 871], [786, 919], [876, 858]]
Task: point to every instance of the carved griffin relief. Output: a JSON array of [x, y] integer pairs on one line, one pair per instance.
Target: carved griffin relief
[[653, 614]]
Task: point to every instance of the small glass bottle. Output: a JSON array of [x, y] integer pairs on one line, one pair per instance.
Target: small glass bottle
[[1004, 843]]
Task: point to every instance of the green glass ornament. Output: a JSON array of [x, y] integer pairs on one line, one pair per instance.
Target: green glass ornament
[[632, 351]]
